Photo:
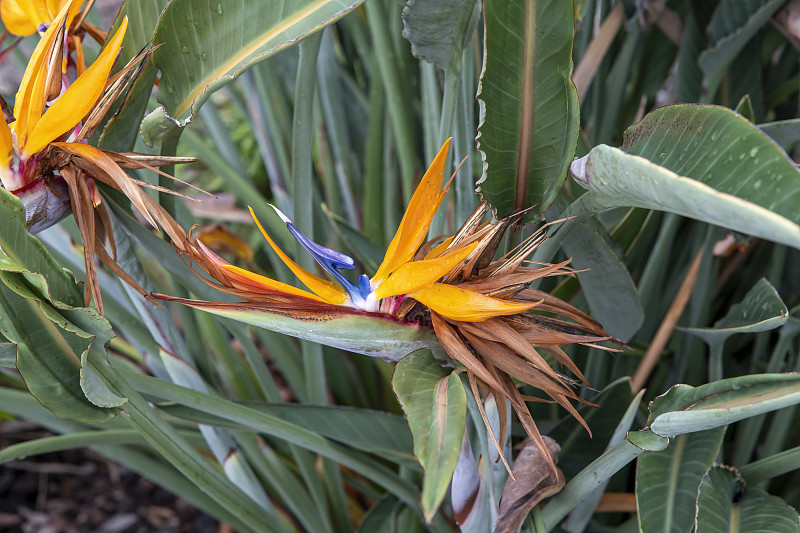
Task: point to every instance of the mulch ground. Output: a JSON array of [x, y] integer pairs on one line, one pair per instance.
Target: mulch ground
[[79, 491]]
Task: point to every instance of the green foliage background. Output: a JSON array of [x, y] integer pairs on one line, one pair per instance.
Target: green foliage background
[[269, 433]]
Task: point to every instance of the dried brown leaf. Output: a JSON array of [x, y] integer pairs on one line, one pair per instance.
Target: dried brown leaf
[[537, 480]]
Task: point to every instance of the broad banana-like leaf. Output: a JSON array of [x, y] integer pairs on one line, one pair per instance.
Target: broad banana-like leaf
[[40, 312], [667, 481], [528, 103], [205, 45], [703, 162], [726, 503]]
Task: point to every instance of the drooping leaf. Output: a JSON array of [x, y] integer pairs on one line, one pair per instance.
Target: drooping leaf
[[667, 481], [437, 29], [732, 25], [205, 45], [704, 162], [435, 403], [720, 148], [726, 504], [760, 310], [529, 105], [685, 409]]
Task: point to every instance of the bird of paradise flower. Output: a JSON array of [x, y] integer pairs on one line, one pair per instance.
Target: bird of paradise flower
[[478, 308], [44, 157]]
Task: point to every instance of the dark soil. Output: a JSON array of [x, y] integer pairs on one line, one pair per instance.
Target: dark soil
[[79, 491]]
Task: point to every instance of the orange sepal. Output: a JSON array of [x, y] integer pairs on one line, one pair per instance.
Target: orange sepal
[[466, 306], [417, 218], [327, 290]]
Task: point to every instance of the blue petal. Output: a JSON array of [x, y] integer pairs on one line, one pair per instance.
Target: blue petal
[[332, 261], [326, 257]]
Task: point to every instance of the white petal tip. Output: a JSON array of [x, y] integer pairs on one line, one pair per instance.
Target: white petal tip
[[280, 214]]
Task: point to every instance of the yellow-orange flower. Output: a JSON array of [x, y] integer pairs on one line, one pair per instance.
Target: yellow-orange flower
[[36, 124], [25, 17], [477, 306]]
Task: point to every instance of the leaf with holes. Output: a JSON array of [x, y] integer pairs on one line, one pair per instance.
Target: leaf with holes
[[528, 103]]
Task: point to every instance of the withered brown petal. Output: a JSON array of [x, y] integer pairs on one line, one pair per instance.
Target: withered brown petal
[[456, 349], [536, 482]]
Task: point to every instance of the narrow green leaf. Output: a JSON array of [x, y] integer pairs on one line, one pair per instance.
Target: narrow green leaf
[[606, 282], [732, 25], [595, 474], [277, 427], [435, 403], [685, 409], [725, 504], [529, 106], [667, 481], [206, 45]]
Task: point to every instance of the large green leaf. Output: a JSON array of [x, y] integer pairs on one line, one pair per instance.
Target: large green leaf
[[684, 409], [529, 106], [205, 45], [48, 358], [703, 162], [667, 481], [435, 403], [40, 312], [725, 504], [722, 149]]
